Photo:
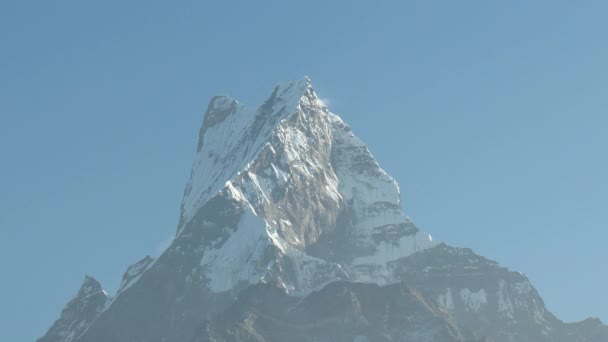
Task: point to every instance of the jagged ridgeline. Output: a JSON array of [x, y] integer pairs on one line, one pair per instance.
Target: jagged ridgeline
[[291, 231]]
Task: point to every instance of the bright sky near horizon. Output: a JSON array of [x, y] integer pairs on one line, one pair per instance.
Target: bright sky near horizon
[[491, 115]]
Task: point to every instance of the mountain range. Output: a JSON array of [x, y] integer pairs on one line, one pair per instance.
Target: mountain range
[[290, 231]]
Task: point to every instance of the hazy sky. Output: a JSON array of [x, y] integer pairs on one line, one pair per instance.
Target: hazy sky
[[490, 114]]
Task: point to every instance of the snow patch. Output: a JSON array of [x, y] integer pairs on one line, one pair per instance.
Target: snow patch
[[505, 304], [445, 300], [229, 264], [473, 301]]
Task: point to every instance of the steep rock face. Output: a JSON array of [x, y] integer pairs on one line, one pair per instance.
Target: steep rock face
[[285, 203]]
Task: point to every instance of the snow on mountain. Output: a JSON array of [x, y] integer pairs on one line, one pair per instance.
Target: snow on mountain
[[286, 197]]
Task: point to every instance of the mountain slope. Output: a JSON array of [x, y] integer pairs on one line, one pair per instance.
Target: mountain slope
[[286, 203], [341, 311]]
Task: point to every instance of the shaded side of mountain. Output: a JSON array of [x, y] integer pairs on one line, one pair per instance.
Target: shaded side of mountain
[[341, 311]]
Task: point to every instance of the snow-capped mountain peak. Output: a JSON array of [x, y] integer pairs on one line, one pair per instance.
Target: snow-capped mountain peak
[[295, 171]]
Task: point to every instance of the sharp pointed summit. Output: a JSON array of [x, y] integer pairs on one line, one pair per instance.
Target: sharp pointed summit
[[297, 171], [79, 313]]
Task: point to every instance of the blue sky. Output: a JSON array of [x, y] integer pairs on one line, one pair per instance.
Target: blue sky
[[491, 115]]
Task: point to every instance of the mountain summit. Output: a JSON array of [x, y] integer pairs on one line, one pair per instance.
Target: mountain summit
[[310, 203], [290, 230]]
